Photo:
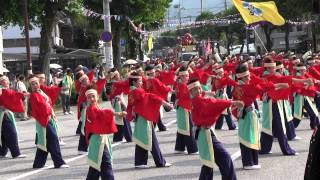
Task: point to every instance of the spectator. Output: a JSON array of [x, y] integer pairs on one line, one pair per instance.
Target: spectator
[[67, 84], [21, 87]]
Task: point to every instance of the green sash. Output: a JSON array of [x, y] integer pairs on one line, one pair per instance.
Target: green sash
[[41, 133], [205, 146], [95, 150], [142, 134], [83, 119], [205, 87], [267, 117], [298, 104], [10, 117], [183, 126], [249, 131], [117, 108], [287, 109], [312, 105]]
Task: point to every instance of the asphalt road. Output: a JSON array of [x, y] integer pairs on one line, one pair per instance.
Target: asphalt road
[[274, 166]]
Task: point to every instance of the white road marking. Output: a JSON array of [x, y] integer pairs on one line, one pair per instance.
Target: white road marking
[[236, 155], [68, 160]]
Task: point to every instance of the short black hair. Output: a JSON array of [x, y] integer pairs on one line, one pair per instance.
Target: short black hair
[[133, 80], [149, 67], [193, 80], [241, 68]]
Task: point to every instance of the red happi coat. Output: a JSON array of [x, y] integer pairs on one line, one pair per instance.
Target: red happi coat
[[144, 104], [12, 100], [41, 107], [155, 86], [99, 121], [118, 88], [166, 77], [220, 83], [281, 94], [52, 91], [82, 96], [183, 95], [205, 112], [300, 88]]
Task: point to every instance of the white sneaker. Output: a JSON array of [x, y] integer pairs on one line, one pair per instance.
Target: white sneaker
[[179, 152], [70, 112], [82, 152], [65, 113], [296, 153], [254, 167], [64, 166], [167, 165], [21, 156], [296, 138], [143, 166], [195, 153]]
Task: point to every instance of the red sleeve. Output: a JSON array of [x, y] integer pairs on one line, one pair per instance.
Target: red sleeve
[[118, 88], [53, 92], [40, 110], [207, 111], [78, 86], [167, 77], [91, 76], [314, 73], [160, 88], [12, 100], [145, 104], [100, 85]]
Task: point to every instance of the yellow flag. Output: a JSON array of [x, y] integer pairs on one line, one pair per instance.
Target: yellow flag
[[150, 43], [253, 12]]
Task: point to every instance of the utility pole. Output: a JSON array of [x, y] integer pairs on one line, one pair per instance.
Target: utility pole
[[108, 54], [26, 31], [225, 5], [201, 6], [1, 50]]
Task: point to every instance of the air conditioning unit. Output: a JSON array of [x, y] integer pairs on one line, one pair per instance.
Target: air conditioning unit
[[58, 41]]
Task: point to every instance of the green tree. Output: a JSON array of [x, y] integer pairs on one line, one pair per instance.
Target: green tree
[[42, 13]]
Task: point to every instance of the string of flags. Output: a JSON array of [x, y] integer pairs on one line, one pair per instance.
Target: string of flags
[[226, 20], [90, 13]]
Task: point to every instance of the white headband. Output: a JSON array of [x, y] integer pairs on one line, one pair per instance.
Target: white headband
[[279, 66], [243, 74], [83, 77], [218, 70], [91, 91], [311, 61], [182, 73], [269, 64], [301, 68], [33, 79], [3, 78], [193, 85], [135, 77], [41, 76], [296, 61]]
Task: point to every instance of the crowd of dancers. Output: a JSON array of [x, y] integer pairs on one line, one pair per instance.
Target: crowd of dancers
[[268, 100]]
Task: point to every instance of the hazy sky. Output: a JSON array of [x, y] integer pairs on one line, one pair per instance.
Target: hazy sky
[[193, 7]]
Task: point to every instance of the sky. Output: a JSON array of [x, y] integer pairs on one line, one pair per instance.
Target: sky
[[193, 7]]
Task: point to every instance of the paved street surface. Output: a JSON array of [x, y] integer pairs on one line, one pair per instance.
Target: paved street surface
[[274, 166]]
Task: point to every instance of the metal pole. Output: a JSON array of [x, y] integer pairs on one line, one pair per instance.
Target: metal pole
[[1, 50], [264, 47], [201, 6], [247, 38], [108, 55], [225, 5], [27, 39]]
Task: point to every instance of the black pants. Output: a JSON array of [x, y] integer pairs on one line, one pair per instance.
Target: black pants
[[184, 141], [141, 155], [223, 161], [65, 102], [106, 172], [53, 148], [277, 131], [123, 131], [314, 120], [228, 117], [9, 138]]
